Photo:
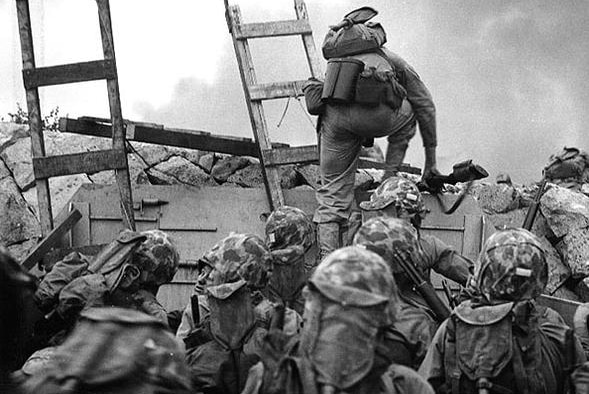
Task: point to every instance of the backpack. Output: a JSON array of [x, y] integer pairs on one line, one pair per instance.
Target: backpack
[[352, 40], [116, 351], [569, 163]]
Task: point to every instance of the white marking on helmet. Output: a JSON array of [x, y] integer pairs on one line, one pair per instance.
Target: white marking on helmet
[[525, 272]]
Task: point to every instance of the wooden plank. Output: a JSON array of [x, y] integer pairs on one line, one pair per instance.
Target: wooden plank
[[69, 73], [51, 239], [34, 109], [114, 100], [299, 154], [272, 29], [183, 138], [255, 109], [78, 163], [471, 241], [276, 90], [81, 232]]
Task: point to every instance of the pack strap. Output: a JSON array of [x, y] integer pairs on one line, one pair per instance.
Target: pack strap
[[453, 372]]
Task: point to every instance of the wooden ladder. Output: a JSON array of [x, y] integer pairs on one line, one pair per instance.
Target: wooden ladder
[[45, 167], [255, 93]]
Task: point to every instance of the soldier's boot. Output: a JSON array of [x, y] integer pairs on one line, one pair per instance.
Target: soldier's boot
[[394, 158], [349, 229], [328, 238]]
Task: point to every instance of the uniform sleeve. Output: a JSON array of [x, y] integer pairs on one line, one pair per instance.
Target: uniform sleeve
[[432, 368], [65, 271], [403, 380], [420, 98], [148, 303], [445, 260]]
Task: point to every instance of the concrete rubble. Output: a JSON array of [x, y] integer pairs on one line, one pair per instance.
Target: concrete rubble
[[562, 221]]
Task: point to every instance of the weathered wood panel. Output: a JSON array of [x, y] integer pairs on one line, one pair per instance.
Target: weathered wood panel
[[78, 163], [69, 73], [272, 29]]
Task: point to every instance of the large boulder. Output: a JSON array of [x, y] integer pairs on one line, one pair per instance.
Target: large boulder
[[178, 170], [565, 210], [18, 159], [10, 133], [227, 166], [250, 176], [18, 222], [574, 249], [496, 198], [558, 272]]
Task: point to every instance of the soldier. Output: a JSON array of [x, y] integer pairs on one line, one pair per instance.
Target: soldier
[[226, 344], [126, 273], [399, 197], [289, 236], [496, 342], [350, 299], [411, 334], [115, 351], [197, 309], [16, 286], [387, 99]]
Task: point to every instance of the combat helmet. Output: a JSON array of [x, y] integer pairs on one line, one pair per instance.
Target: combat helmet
[[399, 191], [287, 227], [355, 276], [157, 257], [387, 235], [511, 267], [238, 260]]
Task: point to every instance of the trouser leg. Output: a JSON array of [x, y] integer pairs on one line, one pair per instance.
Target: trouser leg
[[404, 128], [328, 238]]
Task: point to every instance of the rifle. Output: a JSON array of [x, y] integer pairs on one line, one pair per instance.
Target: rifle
[[533, 209], [465, 171], [423, 286]]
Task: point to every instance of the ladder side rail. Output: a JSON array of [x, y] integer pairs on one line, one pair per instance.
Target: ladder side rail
[[122, 175], [35, 121], [255, 109], [310, 50]]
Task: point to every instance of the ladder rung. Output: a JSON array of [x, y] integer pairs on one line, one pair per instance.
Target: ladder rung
[[78, 163], [276, 90], [298, 154], [272, 29], [69, 73]]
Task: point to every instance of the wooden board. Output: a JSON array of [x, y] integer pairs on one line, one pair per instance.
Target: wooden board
[[51, 240], [78, 163], [272, 29], [69, 73], [276, 90], [157, 134]]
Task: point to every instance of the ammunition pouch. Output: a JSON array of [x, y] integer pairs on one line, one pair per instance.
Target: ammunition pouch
[[341, 79], [376, 87], [346, 81]]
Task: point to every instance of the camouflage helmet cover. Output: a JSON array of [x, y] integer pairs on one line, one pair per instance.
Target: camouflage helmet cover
[[398, 191], [355, 276], [511, 267], [238, 260], [385, 235], [157, 257], [287, 227]]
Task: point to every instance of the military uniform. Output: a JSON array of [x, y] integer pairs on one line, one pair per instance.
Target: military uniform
[[498, 340], [351, 298], [344, 127], [399, 197], [227, 343], [114, 351]]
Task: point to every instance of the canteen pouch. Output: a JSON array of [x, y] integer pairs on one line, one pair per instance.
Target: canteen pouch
[[341, 78]]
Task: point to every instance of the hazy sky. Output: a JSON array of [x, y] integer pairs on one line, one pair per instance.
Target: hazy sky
[[509, 78]]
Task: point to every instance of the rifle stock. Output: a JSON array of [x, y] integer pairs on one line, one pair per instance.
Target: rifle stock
[[424, 288], [533, 209]]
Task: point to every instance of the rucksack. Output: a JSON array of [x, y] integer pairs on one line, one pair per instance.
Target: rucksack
[[115, 350], [352, 40], [569, 163]]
